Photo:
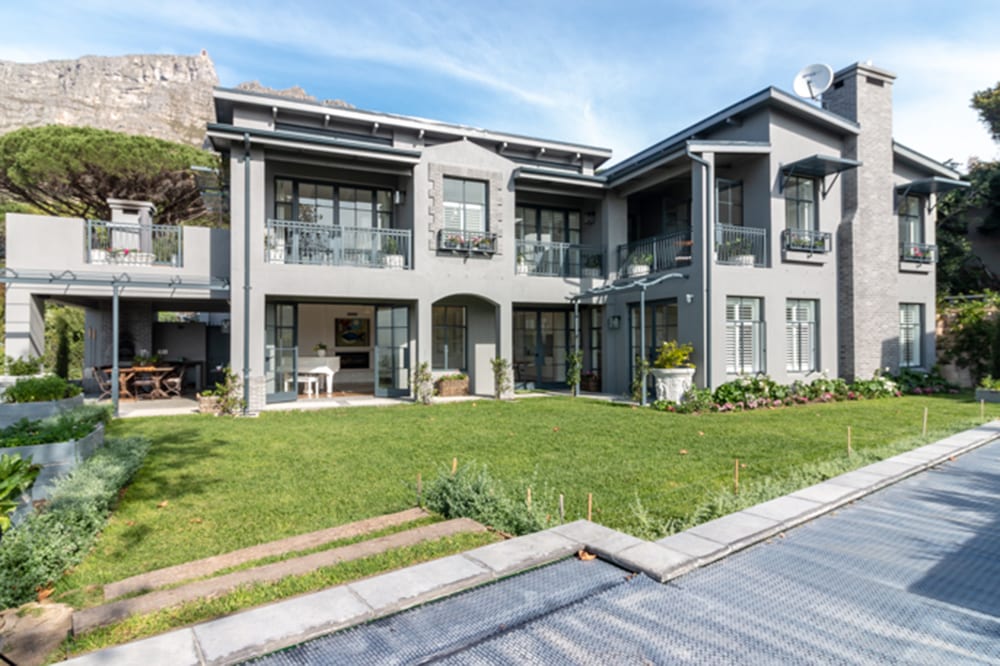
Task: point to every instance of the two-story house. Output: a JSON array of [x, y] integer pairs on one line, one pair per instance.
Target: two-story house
[[777, 236]]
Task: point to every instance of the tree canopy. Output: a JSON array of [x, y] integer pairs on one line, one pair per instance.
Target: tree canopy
[[74, 170], [987, 103]]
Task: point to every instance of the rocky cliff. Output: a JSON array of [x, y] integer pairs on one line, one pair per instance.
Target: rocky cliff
[[165, 96]]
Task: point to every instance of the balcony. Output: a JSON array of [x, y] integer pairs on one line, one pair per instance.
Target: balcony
[[467, 242], [559, 259], [660, 253], [740, 246], [308, 243], [133, 244], [917, 253], [806, 240]]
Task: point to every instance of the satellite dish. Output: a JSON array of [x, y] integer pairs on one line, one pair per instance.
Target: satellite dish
[[813, 80]]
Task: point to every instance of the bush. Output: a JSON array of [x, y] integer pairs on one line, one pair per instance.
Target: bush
[[472, 493], [21, 367], [41, 389], [16, 476], [35, 554], [74, 424]]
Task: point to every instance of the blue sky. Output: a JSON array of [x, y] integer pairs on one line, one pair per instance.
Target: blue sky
[[614, 74]]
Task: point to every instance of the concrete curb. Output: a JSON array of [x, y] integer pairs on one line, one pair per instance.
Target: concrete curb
[[282, 624]]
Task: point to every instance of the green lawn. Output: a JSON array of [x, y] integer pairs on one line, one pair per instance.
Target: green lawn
[[212, 485]]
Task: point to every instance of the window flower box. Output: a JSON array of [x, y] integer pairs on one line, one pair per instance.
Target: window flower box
[[452, 385]]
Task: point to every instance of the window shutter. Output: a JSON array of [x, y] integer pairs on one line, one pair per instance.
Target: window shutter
[[475, 218], [452, 216]]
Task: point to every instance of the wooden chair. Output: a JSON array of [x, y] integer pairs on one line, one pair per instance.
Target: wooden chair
[[143, 385], [173, 382], [103, 379]]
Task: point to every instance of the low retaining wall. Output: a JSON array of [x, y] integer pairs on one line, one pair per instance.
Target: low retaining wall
[[12, 412], [57, 460]]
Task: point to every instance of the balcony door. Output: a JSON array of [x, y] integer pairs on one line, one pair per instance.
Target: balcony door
[[392, 351], [542, 339], [281, 352]]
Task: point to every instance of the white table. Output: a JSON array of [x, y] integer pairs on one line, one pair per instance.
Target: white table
[[323, 367]]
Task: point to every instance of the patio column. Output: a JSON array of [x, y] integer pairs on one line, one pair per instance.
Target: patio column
[[115, 370]]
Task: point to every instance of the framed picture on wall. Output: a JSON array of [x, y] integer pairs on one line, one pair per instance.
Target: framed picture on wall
[[352, 332]]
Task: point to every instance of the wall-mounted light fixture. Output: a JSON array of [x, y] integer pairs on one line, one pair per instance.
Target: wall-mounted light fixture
[[399, 197], [589, 218], [689, 298], [614, 322]]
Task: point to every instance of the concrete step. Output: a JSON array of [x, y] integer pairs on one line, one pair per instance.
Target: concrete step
[[201, 568], [91, 618]]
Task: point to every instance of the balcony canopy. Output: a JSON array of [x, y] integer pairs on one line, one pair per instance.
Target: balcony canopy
[[932, 185], [817, 166]]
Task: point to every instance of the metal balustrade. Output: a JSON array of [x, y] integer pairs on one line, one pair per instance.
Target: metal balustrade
[[918, 253], [559, 259], [740, 246], [660, 253], [807, 240], [292, 242], [128, 244]]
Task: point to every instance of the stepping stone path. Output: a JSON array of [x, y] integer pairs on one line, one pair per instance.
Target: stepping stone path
[[151, 598]]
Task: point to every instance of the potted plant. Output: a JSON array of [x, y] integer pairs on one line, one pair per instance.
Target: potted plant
[[739, 251], [320, 348], [592, 266], [590, 381], [452, 385], [522, 264], [391, 258], [988, 389], [673, 371], [639, 265]]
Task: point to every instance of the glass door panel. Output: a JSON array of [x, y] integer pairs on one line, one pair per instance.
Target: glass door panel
[[280, 352], [392, 351]]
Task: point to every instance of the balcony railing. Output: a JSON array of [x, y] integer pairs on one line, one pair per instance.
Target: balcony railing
[[740, 246], [918, 253], [559, 259], [291, 242], [134, 244], [473, 242], [806, 240], [660, 253]]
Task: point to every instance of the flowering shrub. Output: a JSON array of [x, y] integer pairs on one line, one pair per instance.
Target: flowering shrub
[[923, 383]]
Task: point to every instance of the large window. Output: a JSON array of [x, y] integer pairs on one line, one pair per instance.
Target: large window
[[911, 316], [661, 326], [448, 337], [465, 205], [327, 204], [729, 201], [800, 204], [911, 223], [744, 335], [536, 223], [801, 344]]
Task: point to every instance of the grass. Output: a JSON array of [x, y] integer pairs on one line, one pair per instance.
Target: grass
[[213, 485], [141, 626]]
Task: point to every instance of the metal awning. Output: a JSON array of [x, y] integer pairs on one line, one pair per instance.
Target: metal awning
[[932, 185], [817, 166]]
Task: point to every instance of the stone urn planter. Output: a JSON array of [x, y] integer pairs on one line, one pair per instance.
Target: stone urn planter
[[743, 260], [522, 268], [590, 383], [393, 261], [637, 270], [208, 404], [672, 383]]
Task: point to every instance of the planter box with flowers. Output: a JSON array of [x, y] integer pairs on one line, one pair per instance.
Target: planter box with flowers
[[988, 389], [452, 385]]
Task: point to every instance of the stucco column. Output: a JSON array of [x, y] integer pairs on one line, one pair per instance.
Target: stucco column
[[423, 328], [24, 317]]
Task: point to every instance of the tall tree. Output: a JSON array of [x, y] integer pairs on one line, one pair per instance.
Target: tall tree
[[75, 170], [987, 103]]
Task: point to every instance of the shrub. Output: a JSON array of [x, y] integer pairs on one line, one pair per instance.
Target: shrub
[[16, 476], [879, 386], [574, 366], [228, 392], [423, 384], [23, 366], [638, 386], [472, 493], [64, 427], [41, 389], [501, 378], [35, 554], [670, 355]]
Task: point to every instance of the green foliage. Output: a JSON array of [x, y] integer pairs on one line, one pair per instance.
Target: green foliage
[[960, 213], [20, 367], [672, 355], [970, 334], [989, 383], [73, 424], [41, 389], [36, 553], [16, 476], [453, 377], [471, 492], [638, 386], [64, 340], [74, 170], [919, 382], [501, 377], [422, 384], [987, 103], [229, 393], [574, 366]]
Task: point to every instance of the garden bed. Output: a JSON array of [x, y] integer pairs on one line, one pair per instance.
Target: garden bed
[[56, 460], [13, 412]]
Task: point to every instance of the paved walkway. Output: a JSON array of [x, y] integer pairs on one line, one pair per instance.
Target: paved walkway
[[920, 584]]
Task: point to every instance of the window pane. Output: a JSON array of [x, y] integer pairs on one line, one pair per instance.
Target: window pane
[[453, 190], [283, 190], [475, 192]]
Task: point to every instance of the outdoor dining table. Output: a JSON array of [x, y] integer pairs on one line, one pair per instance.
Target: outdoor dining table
[[126, 377]]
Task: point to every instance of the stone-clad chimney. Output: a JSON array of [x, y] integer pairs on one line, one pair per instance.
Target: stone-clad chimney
[[868, 235]]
